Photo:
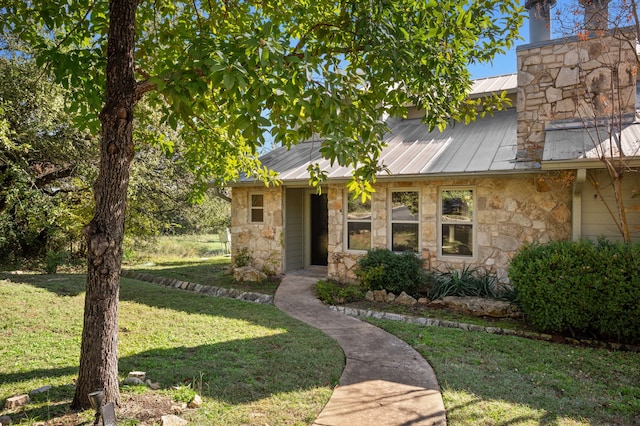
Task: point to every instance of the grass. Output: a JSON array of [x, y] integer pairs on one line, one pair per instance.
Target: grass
[[253, 364], [194, 258], [502, 380], [256, 366]]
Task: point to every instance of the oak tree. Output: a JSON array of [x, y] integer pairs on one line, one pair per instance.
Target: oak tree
[[224, 73]]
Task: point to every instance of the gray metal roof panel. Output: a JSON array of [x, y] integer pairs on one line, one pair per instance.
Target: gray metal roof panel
[[488, 144]]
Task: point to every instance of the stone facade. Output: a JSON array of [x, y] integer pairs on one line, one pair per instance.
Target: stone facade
[[510, 211], [572, 79], [262, 240]]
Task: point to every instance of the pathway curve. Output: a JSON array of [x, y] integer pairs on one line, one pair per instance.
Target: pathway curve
[[385, 381]]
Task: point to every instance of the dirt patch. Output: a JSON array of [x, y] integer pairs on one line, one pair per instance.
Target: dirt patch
[[144, 410]]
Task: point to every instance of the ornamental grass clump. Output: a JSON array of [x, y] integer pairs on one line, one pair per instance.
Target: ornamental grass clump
[[581, 288]]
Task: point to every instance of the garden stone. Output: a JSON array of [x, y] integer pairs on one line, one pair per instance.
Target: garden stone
[[196, 402], [152, 386], [5, 420], [380, 295], [133, 381], [16, 401], [479, 306], [405, 299], [42, 389], [248, 274], [390, 297], [173, 420], [423, 301], [138, 374]]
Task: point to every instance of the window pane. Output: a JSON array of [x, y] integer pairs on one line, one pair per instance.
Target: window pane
[[404, 205], [359, 235], [257, 200], [257, 215], [357, 210], [457, 240], [404, 237], [457, 206]]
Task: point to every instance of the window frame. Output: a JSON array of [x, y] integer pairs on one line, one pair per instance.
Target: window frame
[[347, 197], [473, 223], [252, 208], [391, 221]]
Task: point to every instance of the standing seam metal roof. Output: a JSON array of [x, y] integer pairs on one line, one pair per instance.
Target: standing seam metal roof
[[484, 146]]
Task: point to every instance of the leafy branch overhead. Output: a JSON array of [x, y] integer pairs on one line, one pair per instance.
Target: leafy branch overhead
[[225, 74]]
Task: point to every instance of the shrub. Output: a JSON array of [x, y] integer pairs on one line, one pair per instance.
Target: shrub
[[381, 269], [334, 293], [581, 287], [468, 281]]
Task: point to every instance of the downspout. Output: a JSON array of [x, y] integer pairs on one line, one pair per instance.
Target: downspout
[[576, 214]]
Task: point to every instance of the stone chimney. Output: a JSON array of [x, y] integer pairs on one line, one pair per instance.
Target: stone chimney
[[596, 15], [574, 80], [539, 19]]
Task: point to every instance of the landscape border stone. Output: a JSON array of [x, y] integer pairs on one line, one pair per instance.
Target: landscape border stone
[[432, 322], [232, 293]]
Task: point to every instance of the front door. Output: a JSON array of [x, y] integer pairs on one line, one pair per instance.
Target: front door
[[319, 229]]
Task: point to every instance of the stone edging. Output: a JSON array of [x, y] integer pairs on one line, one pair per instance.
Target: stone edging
[[431, 322], [232, 293]]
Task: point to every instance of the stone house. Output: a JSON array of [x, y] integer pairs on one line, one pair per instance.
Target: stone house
[[473, 194]]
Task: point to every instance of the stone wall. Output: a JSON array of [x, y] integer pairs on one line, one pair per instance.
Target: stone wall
[[262, 240], [572, 79], [510, 211]]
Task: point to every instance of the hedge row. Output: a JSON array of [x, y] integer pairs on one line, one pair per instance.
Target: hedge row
[[581, 287]]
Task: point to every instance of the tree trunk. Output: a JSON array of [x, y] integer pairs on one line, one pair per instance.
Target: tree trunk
[[104, 234]]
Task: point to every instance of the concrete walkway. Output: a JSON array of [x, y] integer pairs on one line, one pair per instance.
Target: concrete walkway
[[385, 381]]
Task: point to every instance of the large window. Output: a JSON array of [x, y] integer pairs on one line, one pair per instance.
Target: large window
[[257, 208], [456, 220], [405, 217], [358, 223]]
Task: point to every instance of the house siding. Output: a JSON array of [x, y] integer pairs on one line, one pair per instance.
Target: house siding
[[510, 211]]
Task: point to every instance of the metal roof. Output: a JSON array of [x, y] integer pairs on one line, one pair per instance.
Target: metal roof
[[485, 86], [563, 145], [485, 146]]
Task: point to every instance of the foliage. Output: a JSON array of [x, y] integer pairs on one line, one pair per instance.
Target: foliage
[[468, 281], [383, 269], [335, 293], [242, 257], [184, 393], [46, 166], [53, 259], [581, 287], [225, 74]]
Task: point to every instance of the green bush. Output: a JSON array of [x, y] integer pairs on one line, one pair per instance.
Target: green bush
[[381, 269], [334, 293], [468, 281], [581, 287]]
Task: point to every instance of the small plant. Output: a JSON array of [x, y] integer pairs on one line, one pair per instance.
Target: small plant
[[184, 393], [242, 258], [53, 259], [382, 269], [468, 281], [335, 293]]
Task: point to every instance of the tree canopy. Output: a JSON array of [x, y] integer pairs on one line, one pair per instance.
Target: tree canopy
[[226, 73]]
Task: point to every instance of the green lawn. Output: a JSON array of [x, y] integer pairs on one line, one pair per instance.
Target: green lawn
[[501, 380], [257, 366], [253, 364]]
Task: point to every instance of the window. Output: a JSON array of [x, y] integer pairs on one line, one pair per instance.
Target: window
[[257, 207], [358, 223], [456, 221], [405, 216]]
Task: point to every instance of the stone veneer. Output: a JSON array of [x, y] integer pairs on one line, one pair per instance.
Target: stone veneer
[[510, 211], [571, 79], [263, 240]]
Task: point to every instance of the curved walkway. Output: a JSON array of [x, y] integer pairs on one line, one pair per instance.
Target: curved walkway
[[385, 381]]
